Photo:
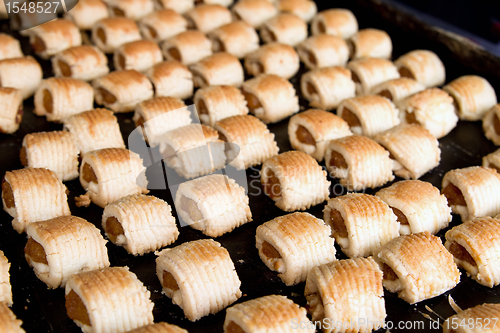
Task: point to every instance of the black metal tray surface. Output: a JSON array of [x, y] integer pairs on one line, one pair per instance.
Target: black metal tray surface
[[43, 310]]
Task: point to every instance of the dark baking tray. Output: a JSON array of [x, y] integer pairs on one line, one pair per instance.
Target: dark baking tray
[[42, 310]]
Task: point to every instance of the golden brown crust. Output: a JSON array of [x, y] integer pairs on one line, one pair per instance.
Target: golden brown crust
[[371, 43], [8, 321], [273, 58], [208, 17], [80, 62], [5, 287], [254, 12], [336, 22], [133, 9], [323, 51], [305, 9], [214, 103], [24, 74], [162, 24], [484, 317], [87, 13], [9, 47], [139, 55], [187, 47], [159, 328], [109, 33], [422, 65], [237, 38], [284, 28], [54, 36], [369, 72], [219, 69], [11, 113]]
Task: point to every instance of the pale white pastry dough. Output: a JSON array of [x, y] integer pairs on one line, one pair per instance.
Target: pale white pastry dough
[[424, 66], [337, 22], [237, 38], [208, 17], [305, 9], [397, 89], [218, 69], [492, 160], [24, 74], [171, 78], [323, 51], [491, 124], [285, 28], [162, 24], [8, 321], [485, 315], [215, 103], [87, 13], [80, 62], [53, 37], [369, 72], [180, 6], [133, 9], [187, 47], [11, 110], [5, 287], [140, 55], [370, 43], [110, 33], [9, 47], [273, 58], [254, 12]]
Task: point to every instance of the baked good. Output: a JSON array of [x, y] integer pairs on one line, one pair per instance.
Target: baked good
[[161, 327], [270, 98], [31, 195], [11, 109], [473, 96], [180, 6], [311, 131], [133, 9], [140, 223], [492, 160], [108, 300], [207, 17], [417, 267], [250, 140], [337, 22], [237, 38], [110, 33], [214, 204], [326, 88], [162, 24], [87, 13], [424, 66], [171, 78], [5, 287], [62, 246], [159, 115], [214, 103], [476, 319], [140, 55], [187, 47], [53, 37], [370, 43], [254, 12], [432, 108], [293, 244], [418, 205], [369, 72], [305, 9], [359, 162], [8, 321], [294, 180], [24, 74], [219, 69], [121, 91], [491, 124], [225, 3], [109, 174], [285, 28], [413, 150], [273, 58], [472, 192], [9, 47], [199, 276], [346, 296], [323, 51], [94, 129], [80, 62], [397, 89]]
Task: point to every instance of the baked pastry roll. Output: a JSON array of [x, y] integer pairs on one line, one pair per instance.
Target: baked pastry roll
[[424, 66], [491, 124], [199, 276], [121, 91], [59, 98], [305, 9], [413, 150], [472, 192], [110, 33], [140, 223], [474, 248], [326, 88], [272, 313], [359, 162], [360, 223], [492, 160], [140, 55], [24, 74], [159, 328], [187, 47], [345, 291], [432, 108], [11, 110], [133, 9], [473, 96], [369, 115], [108, 300], [180, 6], [237, 38], [254, 140], [311, 131], [417, 267], [219, 69], [213, 204], [208, 17], [273, 58], [94, 129], [293, 244], [8, 321], [418, 205], [254, 12], [80, 62], [5, 288], [483, 317], [112, 173], [369, 72], [171, 78], [323, 51], [87, 13], [214, 103], [370, 43], [159, 115], [397, 89], [31, 195], [284, 28], [294, 180], [337, 22], [9, 47], [163, 24], [55, 151], [225, 3], [193, 150], [53, 37], [62, 246], [270, 98]]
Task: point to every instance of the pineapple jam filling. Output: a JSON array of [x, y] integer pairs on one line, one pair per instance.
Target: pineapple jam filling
[[232, 327], [252, 100], [389, 273], [189, 206], [48, 101], [20, 113], [355, 77], [315, 306], [201, 81], [337, 160], [387, 94], [64, 68], [101, 35], [118, 12], [175, 53], [121, 61], [311, 58], [304, 136], [461, 253], [169, 281], [76, 309], [322, 27], [272, 35], [202, 108], [35, 251], [23, 155], [351, 119], [260, 67], [400, 215], [272, 186], [152, 32], [218, 45], [338, 225], [405, 72], [352, 49], [411, 118], [7, 194], [108, 97], [88, 174], [38, 45], [113, 228], [454, 195], [269, 251], [496, 124], [311, 90]]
